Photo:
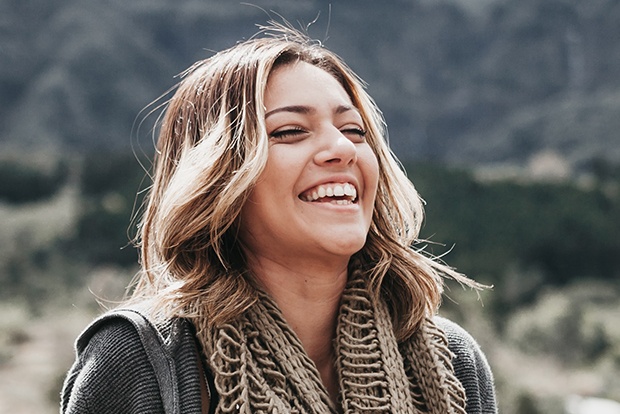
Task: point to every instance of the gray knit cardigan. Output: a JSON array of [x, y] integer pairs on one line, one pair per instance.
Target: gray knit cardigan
[[112, 373]]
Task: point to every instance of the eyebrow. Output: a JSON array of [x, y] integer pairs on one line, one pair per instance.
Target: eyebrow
[[301, 109]]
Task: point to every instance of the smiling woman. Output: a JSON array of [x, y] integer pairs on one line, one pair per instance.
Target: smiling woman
[[277, 266]]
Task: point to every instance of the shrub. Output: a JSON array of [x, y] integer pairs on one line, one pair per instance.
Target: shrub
[[20, 183], [109, 184]]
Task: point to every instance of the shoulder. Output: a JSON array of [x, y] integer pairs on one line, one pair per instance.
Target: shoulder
[[110, 363], [471, 367], [113, 372], [459, 340]]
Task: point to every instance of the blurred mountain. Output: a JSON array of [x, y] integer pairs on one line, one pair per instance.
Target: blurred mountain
[[470, 82]]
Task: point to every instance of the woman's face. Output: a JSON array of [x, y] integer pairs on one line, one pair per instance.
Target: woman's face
[[315, 198]]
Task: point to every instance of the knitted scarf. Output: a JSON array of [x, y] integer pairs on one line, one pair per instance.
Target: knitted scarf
[[260, 366]]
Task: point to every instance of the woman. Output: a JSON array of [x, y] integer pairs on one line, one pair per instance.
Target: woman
[[276, 256]]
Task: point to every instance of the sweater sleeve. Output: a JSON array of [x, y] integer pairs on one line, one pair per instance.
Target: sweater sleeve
[[112, 375], [471, 368]]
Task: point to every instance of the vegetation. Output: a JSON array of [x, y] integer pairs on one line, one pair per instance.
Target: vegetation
[[556, 233], [553, 233], [111, 187], [24, 183]]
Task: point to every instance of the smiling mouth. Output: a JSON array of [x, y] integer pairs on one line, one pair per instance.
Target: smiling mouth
[[335, 193]]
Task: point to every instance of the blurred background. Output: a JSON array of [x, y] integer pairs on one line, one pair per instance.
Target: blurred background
[[505, 113]]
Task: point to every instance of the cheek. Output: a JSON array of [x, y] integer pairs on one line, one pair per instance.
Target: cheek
[[284, 167], [273, 182], [370, 168]]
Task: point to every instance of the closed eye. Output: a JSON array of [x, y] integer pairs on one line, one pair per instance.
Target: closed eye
[[356, 134], [289, 133]]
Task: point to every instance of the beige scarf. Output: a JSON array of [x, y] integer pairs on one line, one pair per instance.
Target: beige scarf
[[260, 366]]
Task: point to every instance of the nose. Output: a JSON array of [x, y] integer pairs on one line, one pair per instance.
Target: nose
[[336, 149]]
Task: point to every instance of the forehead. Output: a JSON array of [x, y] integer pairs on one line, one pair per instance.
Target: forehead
[[302, 83]]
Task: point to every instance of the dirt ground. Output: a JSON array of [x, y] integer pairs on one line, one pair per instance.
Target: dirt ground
[[31, 376]]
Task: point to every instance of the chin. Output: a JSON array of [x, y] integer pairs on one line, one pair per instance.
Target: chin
[[348, 249]]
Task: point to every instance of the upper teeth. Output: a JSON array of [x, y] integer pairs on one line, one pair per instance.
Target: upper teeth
[[332, 190]]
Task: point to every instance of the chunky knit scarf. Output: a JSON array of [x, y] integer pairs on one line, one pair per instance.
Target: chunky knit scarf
[[260, 366]]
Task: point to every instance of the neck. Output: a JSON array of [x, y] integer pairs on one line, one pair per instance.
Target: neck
[[309, 299]]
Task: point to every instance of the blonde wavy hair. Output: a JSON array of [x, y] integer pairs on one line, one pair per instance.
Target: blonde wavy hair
[[211, 149]]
